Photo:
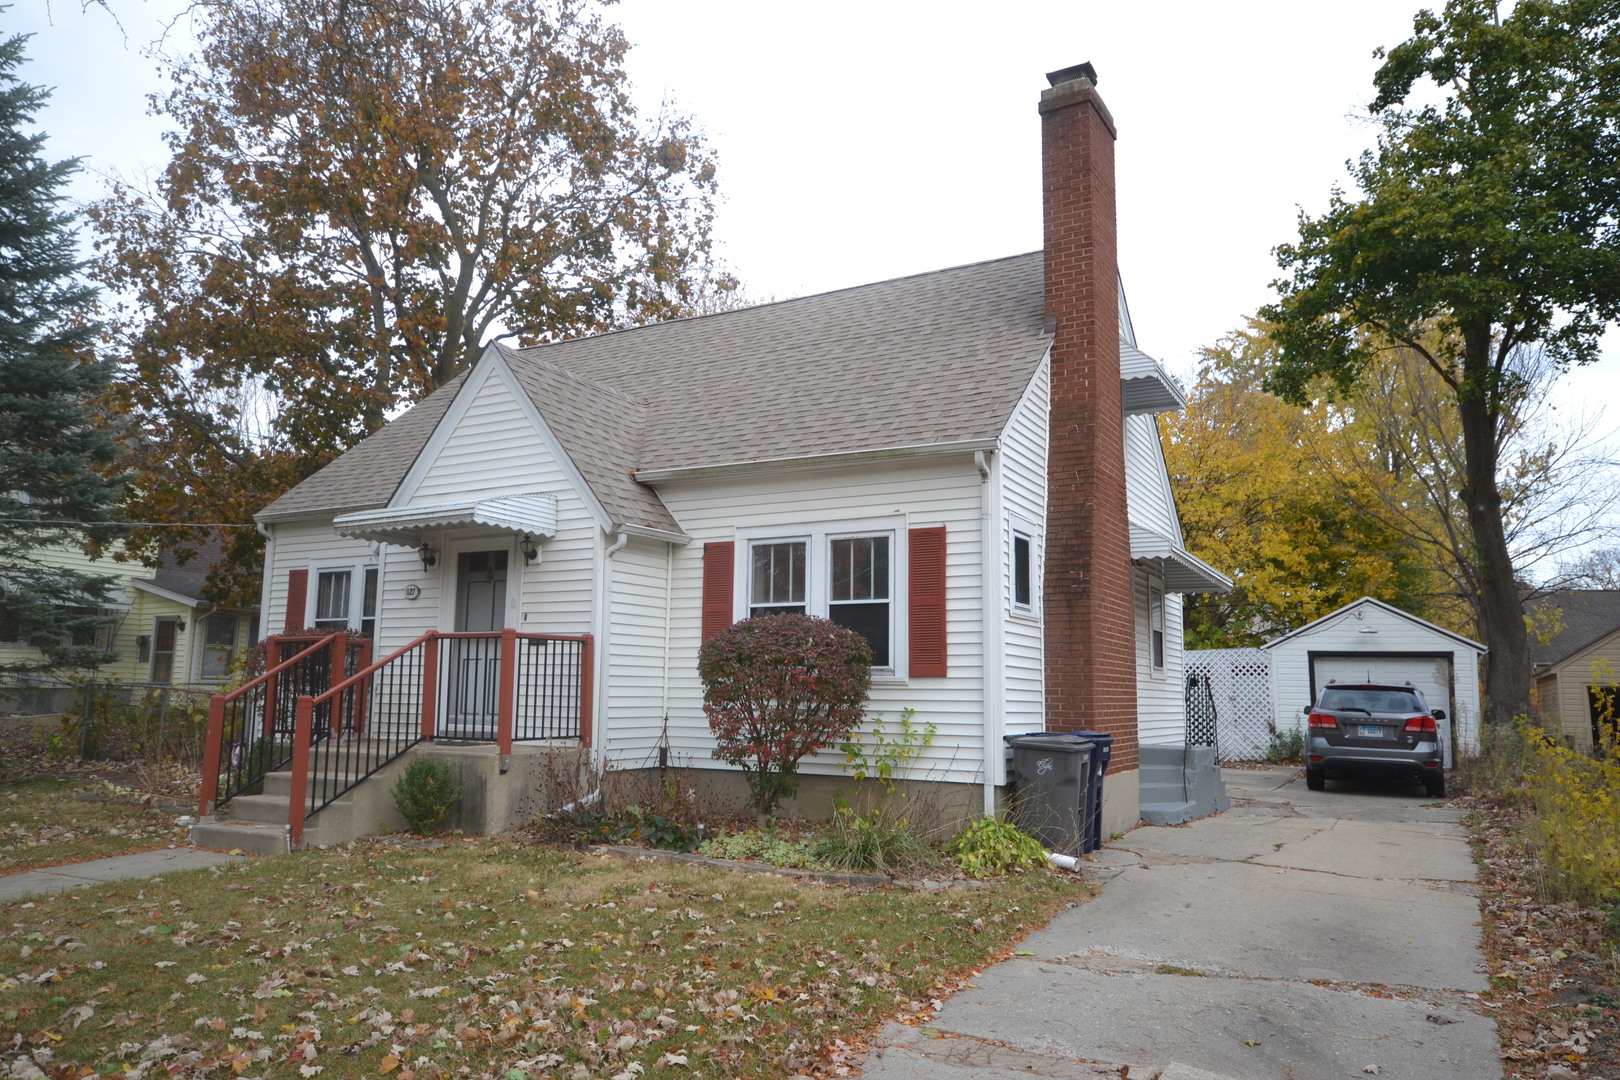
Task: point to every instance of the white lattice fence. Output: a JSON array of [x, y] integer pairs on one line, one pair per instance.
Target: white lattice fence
[[1229, 693]]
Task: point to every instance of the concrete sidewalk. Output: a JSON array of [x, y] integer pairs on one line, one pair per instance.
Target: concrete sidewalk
[[1299, 936], [145, 864]]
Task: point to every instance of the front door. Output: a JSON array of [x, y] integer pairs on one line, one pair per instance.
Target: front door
[[475, 663], [164, 637]]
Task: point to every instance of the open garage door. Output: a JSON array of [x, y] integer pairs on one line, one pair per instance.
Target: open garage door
[[1429, 673]]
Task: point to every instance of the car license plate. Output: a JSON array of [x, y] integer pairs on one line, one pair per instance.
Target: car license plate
[[1369, 731]]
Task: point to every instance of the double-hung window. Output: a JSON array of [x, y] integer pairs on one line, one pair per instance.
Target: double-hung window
[[347, 600], [847, 577], [778, 578], [859, 590]]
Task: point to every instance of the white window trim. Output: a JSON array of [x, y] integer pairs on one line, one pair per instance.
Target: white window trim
[[1016, 527], [357, 589], [817, 539]]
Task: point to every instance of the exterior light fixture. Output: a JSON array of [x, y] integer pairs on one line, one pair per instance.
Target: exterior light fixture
[[530, 552], [428, 556]]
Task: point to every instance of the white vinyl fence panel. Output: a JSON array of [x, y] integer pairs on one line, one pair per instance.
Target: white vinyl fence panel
[[1234, 685]]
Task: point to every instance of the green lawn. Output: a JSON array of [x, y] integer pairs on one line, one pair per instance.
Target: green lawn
[[42, 823], [512, 959]]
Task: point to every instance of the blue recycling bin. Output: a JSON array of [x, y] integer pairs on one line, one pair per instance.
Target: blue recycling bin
[[1102, 752], [1051, 775]]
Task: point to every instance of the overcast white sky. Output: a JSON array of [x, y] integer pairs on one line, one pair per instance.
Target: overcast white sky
[[865, 140]]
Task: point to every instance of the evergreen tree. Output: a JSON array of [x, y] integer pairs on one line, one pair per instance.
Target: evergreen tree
[[54, 491]]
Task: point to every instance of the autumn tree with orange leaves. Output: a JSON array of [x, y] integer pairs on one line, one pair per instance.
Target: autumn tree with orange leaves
[[362, 195]]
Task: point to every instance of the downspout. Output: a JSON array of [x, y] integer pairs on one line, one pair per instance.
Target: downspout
[[604, 601], [992, 676], [269, 534]]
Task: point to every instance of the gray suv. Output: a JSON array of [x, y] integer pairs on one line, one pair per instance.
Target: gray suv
[[1375, 727]]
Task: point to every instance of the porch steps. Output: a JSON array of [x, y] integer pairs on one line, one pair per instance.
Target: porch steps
[[258, 823], [1180, 784]]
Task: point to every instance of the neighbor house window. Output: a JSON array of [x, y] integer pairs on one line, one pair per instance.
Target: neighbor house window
[[847, 579], [219, 646], [1156, 627], [777, 587]]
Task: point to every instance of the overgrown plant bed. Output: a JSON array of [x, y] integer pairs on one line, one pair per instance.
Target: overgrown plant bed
[[512, 959], [1554, 973]]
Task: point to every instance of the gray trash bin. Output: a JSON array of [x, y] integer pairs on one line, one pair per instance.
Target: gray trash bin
[[1050, 775]]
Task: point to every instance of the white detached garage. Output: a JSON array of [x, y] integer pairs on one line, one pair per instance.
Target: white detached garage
[[1370, 641]]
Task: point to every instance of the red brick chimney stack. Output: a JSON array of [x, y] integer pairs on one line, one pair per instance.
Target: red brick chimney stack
[[1090, 620]]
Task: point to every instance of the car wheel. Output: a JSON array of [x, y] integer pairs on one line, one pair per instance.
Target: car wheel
[[1316, 779], [1435, 785]]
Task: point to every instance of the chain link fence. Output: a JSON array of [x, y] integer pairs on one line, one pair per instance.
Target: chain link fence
[[1229, 703], [144, 723]]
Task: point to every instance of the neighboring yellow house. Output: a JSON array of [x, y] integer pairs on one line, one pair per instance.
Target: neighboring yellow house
[[165, 630], [1576, 671]]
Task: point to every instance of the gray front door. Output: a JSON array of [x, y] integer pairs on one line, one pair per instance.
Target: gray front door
[[475, 663]]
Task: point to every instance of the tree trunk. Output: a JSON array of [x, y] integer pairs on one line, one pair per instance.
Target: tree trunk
[[1501, 614]]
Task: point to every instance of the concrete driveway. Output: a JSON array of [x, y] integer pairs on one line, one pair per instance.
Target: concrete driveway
[[1298, 936]]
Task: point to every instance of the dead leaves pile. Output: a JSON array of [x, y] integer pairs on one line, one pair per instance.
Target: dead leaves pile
[[477, 960], [1554, 974]]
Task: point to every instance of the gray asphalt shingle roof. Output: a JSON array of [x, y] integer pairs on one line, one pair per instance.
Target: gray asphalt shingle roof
[[1585, 615], [934, 358]]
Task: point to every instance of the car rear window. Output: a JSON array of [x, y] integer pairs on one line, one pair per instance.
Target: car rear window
[[1371, 700]]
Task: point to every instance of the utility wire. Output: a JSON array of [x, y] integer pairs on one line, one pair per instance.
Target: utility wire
[[134, 524]]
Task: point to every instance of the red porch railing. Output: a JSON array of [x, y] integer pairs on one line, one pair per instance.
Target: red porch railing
[[497, 687], [250, 729]]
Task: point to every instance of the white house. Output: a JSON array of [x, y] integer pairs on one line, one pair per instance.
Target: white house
[[1370, 641], [962, 465]]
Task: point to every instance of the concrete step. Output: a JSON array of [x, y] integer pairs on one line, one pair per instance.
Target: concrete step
[[266, 809], [255, 837], [1168, 813], [280, 784]]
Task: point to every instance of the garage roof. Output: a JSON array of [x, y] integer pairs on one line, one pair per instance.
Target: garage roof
[[1334, 616]]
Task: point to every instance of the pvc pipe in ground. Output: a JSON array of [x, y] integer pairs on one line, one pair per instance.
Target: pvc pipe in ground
[[1062, 862]]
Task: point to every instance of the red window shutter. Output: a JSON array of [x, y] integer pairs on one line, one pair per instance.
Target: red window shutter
[[926, 570], [297, 593], [719, 562]]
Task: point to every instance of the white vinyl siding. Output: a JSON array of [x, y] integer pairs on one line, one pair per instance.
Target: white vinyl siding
[[496, 448], [917, 494], [308, 545], [1021, 468], [1160, 699], [633, 711], [1147, 479]]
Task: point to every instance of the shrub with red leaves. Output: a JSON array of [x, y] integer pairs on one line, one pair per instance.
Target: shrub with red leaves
[[780, 687]]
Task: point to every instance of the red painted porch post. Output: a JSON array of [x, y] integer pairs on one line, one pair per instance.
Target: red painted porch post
[[212, 745], [303, 725], [430, 686], [587, 690], [508, 694]]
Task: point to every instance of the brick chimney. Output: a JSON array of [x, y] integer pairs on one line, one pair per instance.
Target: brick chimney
[[1090, 621]]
